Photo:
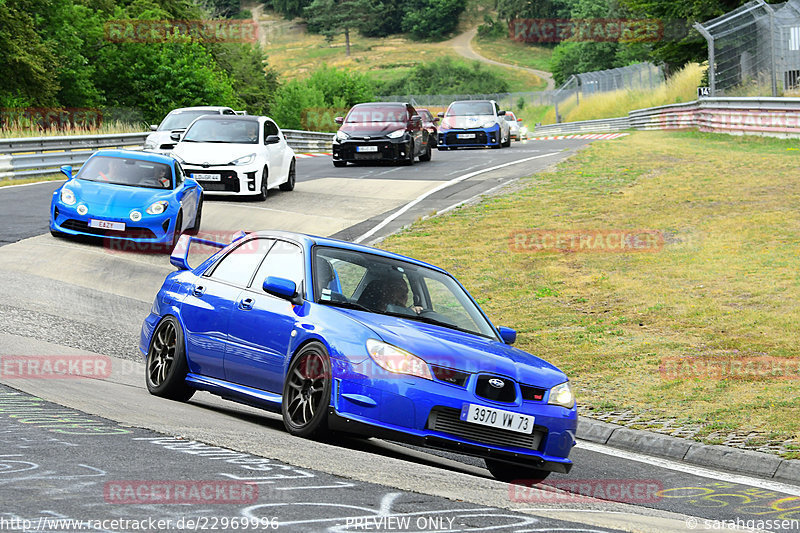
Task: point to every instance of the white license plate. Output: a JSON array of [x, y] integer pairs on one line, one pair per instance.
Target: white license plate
[[496, 418], [106, 224], [466, 136], [366, 148], [207, 177]]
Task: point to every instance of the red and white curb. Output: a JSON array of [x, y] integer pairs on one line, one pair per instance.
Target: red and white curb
[[584, 136], [312, 154]]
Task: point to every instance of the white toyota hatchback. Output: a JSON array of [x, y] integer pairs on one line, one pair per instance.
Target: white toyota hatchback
[[237, 155]]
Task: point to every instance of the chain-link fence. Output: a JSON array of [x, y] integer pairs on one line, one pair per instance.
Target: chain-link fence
[[754, 50]]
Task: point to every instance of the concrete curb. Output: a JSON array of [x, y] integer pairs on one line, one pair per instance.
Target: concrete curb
[[726, 458]]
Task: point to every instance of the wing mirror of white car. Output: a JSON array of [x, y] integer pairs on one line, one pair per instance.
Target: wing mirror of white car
[[153, 127], [175, 137], [272, 139], [501, 113], [440, 114], [339, 120]]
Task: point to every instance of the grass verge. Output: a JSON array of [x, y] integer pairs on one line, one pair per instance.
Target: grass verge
[[724, 285], [513, 52], [5, 182]]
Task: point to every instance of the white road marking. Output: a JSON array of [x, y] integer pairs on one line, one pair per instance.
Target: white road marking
[[444, 185], [686, 468], [27, 184]]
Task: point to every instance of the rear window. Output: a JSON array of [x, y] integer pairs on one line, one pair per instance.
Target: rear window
[[372, 114]]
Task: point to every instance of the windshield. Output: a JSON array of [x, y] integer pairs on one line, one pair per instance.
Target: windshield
[[223, 131], [131, 172], [368, 282], [180, 120], [372, 114], [469, 109], [509, 116]]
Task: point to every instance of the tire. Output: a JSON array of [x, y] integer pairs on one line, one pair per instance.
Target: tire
[[510, 472], [166, 368], [176, 233], [340, 163], [198, 217], [427, 155], [412, 158], [508, 142], [307, 393], [261, 196], [288, 185]]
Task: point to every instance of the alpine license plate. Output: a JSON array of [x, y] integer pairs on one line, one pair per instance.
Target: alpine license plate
[[466, 136], [207, 177], [106, 224], [496, 418], [366, 148]]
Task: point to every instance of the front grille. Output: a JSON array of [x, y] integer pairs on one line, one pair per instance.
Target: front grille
[[506, 394], [448, 375], [447, 420], [452, 138], [361, 156], [386, 150], [228, 183], [131, 232], [532, 394]]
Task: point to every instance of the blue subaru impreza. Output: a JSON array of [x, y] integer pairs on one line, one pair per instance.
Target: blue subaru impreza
[[344, 337], [125, 195]]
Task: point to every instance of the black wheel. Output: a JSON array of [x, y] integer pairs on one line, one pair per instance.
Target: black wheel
[[166, 367], [339, 163], [508, 142], [288, 185], [264, 189], [427, 155], [411, 157], [195, 229], [510, 473], [176, 232], [307, 393]]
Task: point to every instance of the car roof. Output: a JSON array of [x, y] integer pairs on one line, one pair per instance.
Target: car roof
[[136, 154], [314, 240], [201, 108], [473, 102], [381, 104], [243, 118]]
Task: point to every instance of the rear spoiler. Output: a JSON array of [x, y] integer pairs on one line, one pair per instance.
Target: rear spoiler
[[180, 254]]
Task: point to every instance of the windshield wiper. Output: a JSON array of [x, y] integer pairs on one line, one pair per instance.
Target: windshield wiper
[[430, 320]]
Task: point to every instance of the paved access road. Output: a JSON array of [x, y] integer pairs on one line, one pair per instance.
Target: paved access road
[[63, 298]]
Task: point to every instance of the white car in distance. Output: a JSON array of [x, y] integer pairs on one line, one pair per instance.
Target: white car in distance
[[177, 121], [236, 155]]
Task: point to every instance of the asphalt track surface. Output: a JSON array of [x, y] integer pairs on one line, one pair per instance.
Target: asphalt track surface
[[66, 443]]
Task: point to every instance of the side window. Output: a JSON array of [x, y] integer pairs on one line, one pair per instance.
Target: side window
[[270, 129], [238, 265], [284, 260]]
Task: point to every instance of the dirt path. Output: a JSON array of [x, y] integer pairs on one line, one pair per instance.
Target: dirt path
[[462, 45]]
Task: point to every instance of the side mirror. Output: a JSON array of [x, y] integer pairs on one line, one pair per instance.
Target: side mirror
[[508, 335], [175, 137], [272, 139], [153, 127], [501, 113], [67, 171], [416, 118], [440, 114], [339, 120], [436, 120], [519, 120], [282, 288]]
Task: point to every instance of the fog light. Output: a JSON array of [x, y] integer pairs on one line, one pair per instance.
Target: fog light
[[136, 216], [82, 209]]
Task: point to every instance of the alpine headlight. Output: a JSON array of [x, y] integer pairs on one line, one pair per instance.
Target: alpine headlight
[[562, 395], [342, 136], [156, 208], [244, 160], [397, 361], [396, 134], [67, 197], [489, 124]]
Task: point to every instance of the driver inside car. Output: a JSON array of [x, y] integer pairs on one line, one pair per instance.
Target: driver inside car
[[396, 294]]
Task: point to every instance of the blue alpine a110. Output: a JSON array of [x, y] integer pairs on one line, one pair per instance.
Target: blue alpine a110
[[127, 195], [339, 337]]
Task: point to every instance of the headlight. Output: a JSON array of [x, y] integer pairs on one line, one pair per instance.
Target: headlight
[[562, 395], [489, 124], [342, 136], [149, 145], [157, 208], [396, 360], [67, 197], [444, 126], [244, 160], [396, 134]]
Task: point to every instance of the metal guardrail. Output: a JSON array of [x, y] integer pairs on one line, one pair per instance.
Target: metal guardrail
[[779, 117], [27, 157]]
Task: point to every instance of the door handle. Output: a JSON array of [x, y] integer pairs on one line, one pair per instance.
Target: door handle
[[198, 290], [246, 304]]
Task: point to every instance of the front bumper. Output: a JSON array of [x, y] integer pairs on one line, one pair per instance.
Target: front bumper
[[233, 180], [383, 149], [482, 137], [151, 229]]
